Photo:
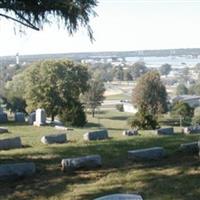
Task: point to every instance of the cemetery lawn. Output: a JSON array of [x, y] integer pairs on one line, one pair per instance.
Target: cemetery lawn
[[177, 177]]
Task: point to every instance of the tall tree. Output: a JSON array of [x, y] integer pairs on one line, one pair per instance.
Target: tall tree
[[94, 96], [150, 95], [34, 13], [53, 85]]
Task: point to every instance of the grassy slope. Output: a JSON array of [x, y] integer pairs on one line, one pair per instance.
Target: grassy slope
[[174, 178]]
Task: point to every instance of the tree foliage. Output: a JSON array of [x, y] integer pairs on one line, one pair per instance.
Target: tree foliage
[[73, 114], [183, 111], [194, 89], [52, 85], [150, 95], [13, 94], [143, 121], [181, 89], [15, 104], [165, 69], [34, 13], [138, 69], [95, 95]]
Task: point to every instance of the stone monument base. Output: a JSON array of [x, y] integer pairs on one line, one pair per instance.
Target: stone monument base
[[38, 124]]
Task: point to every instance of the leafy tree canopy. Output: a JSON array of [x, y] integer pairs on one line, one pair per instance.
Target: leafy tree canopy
[[52, 85], [150, 95], [165, 69], [138, 69], [94, 96], [183, 111], [34, 13]]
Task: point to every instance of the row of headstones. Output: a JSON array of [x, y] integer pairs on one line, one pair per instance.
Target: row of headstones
[[37, 118], [167, 131], [90, 162], [94, 135], [19, 117]]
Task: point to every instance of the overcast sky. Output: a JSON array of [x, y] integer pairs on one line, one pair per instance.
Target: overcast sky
[[121, 25]]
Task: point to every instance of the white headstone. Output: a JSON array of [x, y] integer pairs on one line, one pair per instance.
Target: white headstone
[[40, 117]]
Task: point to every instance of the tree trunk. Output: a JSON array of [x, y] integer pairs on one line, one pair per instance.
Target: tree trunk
[[180, 121], [93, 112], [52, 117]]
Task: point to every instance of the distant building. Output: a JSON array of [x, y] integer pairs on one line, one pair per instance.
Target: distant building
[[191, 100]]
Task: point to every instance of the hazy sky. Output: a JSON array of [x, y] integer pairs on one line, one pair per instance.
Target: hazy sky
[[121, 25]]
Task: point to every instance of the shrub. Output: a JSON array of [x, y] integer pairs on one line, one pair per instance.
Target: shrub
[[143, 121], [120, 107], [74, 115], [196, 119]]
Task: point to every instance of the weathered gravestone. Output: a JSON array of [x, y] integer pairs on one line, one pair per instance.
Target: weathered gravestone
[[130, 132], [165, 131], [191, 130], [40, 118], [121, 197], [13, 171], [31, 118], [3, 130], [153, 153], [55, 138], [191, 147], [3, 117], [96, 135], [10, 143], [19, 117], [86, 162]]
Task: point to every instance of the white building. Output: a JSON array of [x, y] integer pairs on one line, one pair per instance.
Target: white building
[[191, 100]]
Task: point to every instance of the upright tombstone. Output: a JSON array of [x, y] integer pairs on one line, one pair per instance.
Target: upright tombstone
[[1, 110], [3, 117], [191, 130], [31, 118], [40, 117], [19, 117], [121, 197]]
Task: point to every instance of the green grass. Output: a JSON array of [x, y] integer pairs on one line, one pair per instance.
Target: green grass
[[173, 178]]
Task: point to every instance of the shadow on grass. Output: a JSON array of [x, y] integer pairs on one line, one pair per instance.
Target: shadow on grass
[[123, 118], [49, 181], [12, 123], [92, 124]]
